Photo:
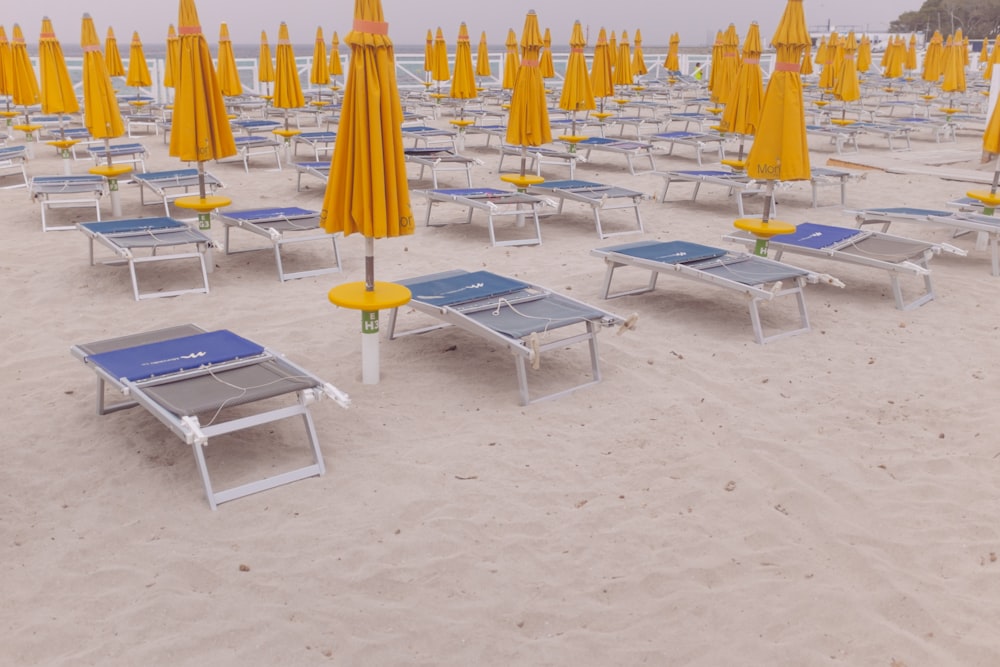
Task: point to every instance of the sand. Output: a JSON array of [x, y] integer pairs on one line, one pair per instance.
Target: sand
[[826, 499]]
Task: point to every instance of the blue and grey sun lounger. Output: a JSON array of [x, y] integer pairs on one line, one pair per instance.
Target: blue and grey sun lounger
[[249, 146], [319, 169], [738, 183], [189, 379], [132, 153], [82, 191], [896, 255], [13, 160], [125, 237], [522, 317], [440, 159], [629, 149], [702, 142], [282, 226], [495, 204], [160, 183], [598, 196], [758, 278], [320, 142]]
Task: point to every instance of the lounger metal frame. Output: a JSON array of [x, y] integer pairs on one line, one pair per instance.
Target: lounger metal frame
[[702, 142], [524, 350], [283, 227], [131, 153], [252, 145], [738, 184], [629, 148], [319, 169], [81, 191], [598, 196], [160, 182], [13, 160], [440, 159], [189, 428], [495, 204]]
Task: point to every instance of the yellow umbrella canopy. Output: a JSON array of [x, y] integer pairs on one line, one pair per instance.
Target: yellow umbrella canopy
[[463, 84], [265, 63], [439, 64], [138, 71], [336, 68], [483, 57], [319, 73], [6, 66], [954, 66], [728, 66], [932, 59], [287, 86], [229, 76], [780, 150], [528, 123], [25, 86], [200, 129], [600, 68], [101, 115], [864, 54], [672, 62], [512, 61], [713, 74], [622, 72], [57, 94], [547, 66], [429, 52], [112, 56], [577, 93], [173, 57], [742, 112], [911, 53], [991, 137], [847, 87], [638, 59], [987, 73], [807, 62], [828, 75], [367, 190]]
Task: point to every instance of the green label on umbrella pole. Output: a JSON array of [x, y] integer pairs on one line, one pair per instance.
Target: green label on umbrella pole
[[760, 248], [204, 221], [65, 153], [369, 321], [113, 185]]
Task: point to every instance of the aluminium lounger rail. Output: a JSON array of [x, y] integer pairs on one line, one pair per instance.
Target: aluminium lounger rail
[[83, 191], [758, 278], [188, 379], [495, 204], [160, 183], [282, 226], [598, 196], [522, 317]]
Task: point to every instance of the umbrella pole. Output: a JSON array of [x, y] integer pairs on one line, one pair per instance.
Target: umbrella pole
[[369, 322]]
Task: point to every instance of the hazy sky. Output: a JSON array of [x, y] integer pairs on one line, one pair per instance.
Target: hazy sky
[[695, 20]]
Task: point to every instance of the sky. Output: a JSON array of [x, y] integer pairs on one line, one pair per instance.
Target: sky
[[696, 20]]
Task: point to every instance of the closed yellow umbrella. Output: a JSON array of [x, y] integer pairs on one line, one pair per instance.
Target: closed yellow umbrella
[[864, 55], [954, 66], [932, 59], [828, 75], [716, 67], [848, 89], [439, 65], [287, 86], [367, 190], [528, 123], [728, 66], [991, 145], [672, 61], [807, 62], [638, 58], [112, 56], [483, 58], [512, 61], [577, 92], [57, 93], [173, 57], [25, 86], [911, 54], [546, 65], [780, 150], [428, 56], [336, 67], [229, 76], [742, 113], [138, 71], [6, 77], [319, 73], [200, 128], [621, 75], [101, 115], [463, 84], [988, 72], [265, 64], [600, 69]]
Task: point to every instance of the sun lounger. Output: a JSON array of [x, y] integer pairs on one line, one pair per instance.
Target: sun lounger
[[82, 136], [318, 142], [125, 237], [490, 131], [282, 226], [941, 129], [495, 204], [889, 131], [538, 156], [133, 154], [526, 319], [13, 160], [637, 123], [84, 191], [738, 183], [986, 228], [251, 126], [189, 379], [147, 122], [703, 120], [598, 196], [440, 159], [161, 183], [838, 136], [429, 136], [629, 149], [700, 141], [829, 176], [758, 278], [896, 255], [320, 170], [251, 145]]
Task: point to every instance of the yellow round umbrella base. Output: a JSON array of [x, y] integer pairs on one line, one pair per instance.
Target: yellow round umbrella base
[[671, 80], [8, 114], [111, 170], [763, 231], [714, 110], [842, 121], [437, 96], [638, 89], [138, 103], [286, 134], [203, 206], [737, 165], [621, 101], [949, 110], [820, 103], [521, 182], [572, 138], [319, 103], [717, 128], [28, 129], [356, 297], [989, 199], [929, 97], [602, 115], [63, 144], [462, 122]]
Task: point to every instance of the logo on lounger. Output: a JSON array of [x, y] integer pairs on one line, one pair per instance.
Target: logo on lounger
[[173, 360], [454, 291]]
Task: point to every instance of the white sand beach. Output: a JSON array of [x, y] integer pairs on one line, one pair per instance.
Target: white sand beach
[[826, 499]]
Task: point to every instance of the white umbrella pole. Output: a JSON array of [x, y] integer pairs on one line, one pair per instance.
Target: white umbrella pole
[[369, 322], [116, 200]]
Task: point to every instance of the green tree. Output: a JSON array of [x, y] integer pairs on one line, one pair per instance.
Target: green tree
[[978, 19]]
